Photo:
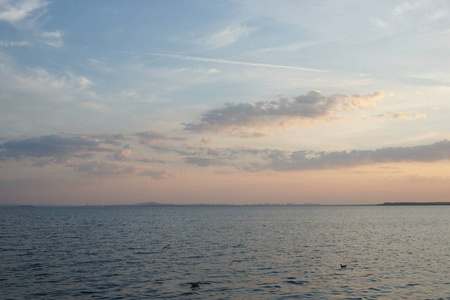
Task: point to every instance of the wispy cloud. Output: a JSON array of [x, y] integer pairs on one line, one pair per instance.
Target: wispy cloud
[[14, 43], [407, 6], [112, 139], [202, 161], [400, 116], [152, 137], [26, 16], [224, 61], [281, 113], [52, 38], [14, 12], [420, 12], [227, 36], [113, 169], [27, 92], [292, 47]]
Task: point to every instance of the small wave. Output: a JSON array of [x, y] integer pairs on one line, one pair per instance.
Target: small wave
[[296, 282], [143, 252], [194, 256], [188, 293], [88, 292], [269, 285], [412, 284], [265, 268]]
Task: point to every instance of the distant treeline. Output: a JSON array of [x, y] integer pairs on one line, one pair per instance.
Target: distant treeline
[[414, 203], [220, 204]]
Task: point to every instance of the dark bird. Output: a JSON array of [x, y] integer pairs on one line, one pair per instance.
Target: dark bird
[[343, 266], [195, 285]]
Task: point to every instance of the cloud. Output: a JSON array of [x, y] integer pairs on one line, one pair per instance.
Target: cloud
[[152, 160], [408, 6], [380, 23], [52, 38], [123, 154], [29, 85], [59, 149], [112, 139], [205, 140], [287, 48], [220, 154], [258, 160], [112, 169], [14, 12], [154, 174], [428, 179], [98, 107], [151, 137], [203, 162], [309, 160], [103, 168], [400, 116], [310, 107], [45, 98], [148, 137], [41, 163], [25, 16], [45, 150], [14, 43], [227, 36], [53, 146], [253, 135]]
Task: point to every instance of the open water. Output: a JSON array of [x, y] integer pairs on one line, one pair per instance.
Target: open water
[[250, 252]]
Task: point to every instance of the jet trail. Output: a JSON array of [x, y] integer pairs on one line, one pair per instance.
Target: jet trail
[[224, 61]]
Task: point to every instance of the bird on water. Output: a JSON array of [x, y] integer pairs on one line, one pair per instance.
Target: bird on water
[[195, 285], [343, 266]]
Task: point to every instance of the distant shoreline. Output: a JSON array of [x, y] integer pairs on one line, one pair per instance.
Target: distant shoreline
[[413, 203], [156, 204]]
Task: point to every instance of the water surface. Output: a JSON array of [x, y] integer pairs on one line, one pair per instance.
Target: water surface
[[235, 252]]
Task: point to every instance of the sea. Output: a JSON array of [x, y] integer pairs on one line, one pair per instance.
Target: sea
[[235, 252]]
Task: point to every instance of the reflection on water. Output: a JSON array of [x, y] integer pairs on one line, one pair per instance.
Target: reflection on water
[[234, 252]]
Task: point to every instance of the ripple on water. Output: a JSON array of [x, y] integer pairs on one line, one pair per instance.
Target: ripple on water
[[296, 282], [260, 252]]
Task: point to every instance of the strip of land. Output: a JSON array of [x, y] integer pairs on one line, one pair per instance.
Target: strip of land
[[414, 203]]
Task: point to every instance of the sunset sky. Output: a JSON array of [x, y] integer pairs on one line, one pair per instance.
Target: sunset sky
[[239, 102]]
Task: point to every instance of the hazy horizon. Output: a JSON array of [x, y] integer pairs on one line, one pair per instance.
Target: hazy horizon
[[229, 102]]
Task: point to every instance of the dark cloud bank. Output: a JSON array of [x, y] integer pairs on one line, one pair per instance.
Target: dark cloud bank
[[308, 160], [283, 160], [151, 137], [58, 149], [103, 168], [52, 146]]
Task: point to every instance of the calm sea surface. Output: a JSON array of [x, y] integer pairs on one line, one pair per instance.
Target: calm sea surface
[[235, 252]]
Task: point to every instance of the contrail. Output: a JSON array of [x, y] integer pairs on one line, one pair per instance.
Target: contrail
[[224, 61]]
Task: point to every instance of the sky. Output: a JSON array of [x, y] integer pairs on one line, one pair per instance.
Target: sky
[[224, 102]]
